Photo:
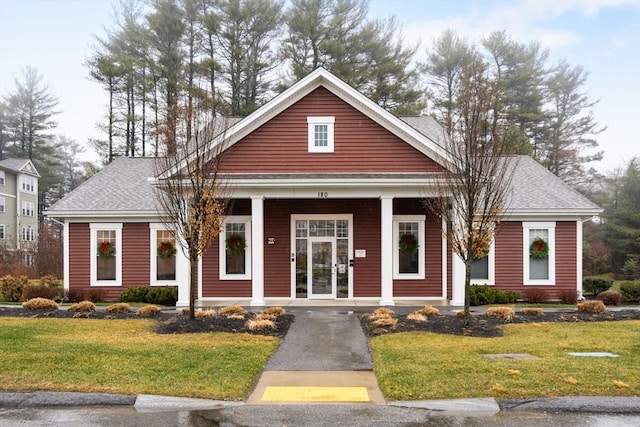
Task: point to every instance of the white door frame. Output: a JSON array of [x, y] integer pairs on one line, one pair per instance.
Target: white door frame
[[334, 275], [307, 217]]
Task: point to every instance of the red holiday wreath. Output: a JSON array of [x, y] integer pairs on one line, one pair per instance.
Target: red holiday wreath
[[106, 249], [539, 248], [236, 243], [166, 250], [408, 244]]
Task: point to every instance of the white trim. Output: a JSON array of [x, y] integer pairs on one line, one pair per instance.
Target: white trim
[[579, 258], [445, 258], [65, 256], [458, 273], [92, 253], [491, 267], [386, 250], [420, 219], [257, 248], [551, 227], [312, 122], [240, 219]]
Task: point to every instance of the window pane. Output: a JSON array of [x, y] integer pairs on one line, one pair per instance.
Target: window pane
[[538, 268], [322, 228], [106, 268], [235, 261], [165, 267], [342, 228], [301, 268], [301, 228], [342, 259], [480, 269], [407, 261], [320, 135]]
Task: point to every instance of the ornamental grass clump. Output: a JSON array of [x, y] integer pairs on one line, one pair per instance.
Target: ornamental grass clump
[[149, 311], [275, 311], [83, 307], [258, 324], [532, 311], [505, 313], [382, 313], [416, 316], [233, 312], [429, 311], [592, 307], [209, 313], [40, 304], [385, 322], [121, 307]]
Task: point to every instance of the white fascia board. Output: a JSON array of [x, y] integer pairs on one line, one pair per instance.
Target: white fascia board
[[556, 214], [93, 216]]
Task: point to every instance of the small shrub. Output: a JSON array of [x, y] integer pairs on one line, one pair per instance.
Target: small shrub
[[387, 322], [40, 304], [75, 295], [83, 307], [535, 296], [481, 295], [162, 295], [120, 307], [568, 296], [594, 285], [592, 307], [276, 311], [94, 295], [382, 313], [428, 310], [149, 310], [31, 291], [50, 280], [232, 310], [532, 311], [610, 297], [630, 291], [417, 317], [505, 313], [136, 294], [11, 287], [259, 324], [506, 297], [205, 314]]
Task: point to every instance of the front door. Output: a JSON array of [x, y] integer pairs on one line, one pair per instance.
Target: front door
[[322, 265]]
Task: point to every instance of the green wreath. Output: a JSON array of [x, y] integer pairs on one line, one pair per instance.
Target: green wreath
[[539, 248], [106, 249], [166, 250], [408, 244], [236, 243]]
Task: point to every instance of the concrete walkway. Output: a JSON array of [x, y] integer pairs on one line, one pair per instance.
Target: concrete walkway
[[324, 358]]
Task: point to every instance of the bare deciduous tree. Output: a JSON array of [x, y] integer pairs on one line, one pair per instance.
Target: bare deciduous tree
[[192, 194], [473, 195]]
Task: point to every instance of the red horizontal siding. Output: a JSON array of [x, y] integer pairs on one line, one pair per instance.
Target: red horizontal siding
[[135, 254], [508, 256], [212, 286], [360, 144], [79, 253]]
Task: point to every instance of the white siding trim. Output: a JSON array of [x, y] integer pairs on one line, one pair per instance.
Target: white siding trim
[[92, 253], [257, 248], [386, 250], [551, 226]]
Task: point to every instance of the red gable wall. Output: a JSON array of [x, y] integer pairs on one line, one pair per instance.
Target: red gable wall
[[361, 145]]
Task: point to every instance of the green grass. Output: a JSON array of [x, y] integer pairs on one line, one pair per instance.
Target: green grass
[[125, 356], [432, 366]]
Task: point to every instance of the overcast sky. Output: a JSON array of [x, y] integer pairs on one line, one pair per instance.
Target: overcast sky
[[603, 36]]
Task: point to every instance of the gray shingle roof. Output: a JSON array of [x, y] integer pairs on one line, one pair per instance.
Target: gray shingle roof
[[428, 126], [537, 189], [18, 165], [121, 186]]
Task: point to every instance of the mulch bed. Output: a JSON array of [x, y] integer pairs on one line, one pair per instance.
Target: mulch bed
[[168, 323], [480, 325]]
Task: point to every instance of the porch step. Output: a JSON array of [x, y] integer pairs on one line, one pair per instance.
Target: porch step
[[320, 387]]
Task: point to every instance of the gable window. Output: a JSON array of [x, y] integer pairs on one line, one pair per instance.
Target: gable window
[[29, 184], [164, 255], [235, 248], [2, 177], [1, 231], [27, 208], [28, 234], [320, 134], [408, 255], [1, 204], [106, 254], [483, 270], [539, 253], [27, 259]]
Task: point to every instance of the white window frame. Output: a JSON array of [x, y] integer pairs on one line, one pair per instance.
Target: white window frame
[[153, 243], [312, 122], [491, 281], [27, 209], [551, 227], [2, 235], [28, 234], [246, 220], [2, 178], [29, 184], [420, 219], [2, 205], [94, 227]]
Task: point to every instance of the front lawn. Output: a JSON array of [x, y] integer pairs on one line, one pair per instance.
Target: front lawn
[[420, 365], [126, 356]]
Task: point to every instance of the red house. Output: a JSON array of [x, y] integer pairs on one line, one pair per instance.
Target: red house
[[326, 185]]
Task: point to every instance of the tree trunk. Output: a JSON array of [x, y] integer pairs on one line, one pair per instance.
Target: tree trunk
[[193, 284], [467, 286]]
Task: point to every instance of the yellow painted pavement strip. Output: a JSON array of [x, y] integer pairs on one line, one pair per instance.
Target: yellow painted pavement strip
[[315, 394]]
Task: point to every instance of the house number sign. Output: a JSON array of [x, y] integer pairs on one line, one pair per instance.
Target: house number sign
[[323, 194]]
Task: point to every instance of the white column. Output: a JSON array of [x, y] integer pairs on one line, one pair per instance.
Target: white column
[[386, 250], [257, 251], [458, 273], [579, 257], [445, 257], [65, 255]]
